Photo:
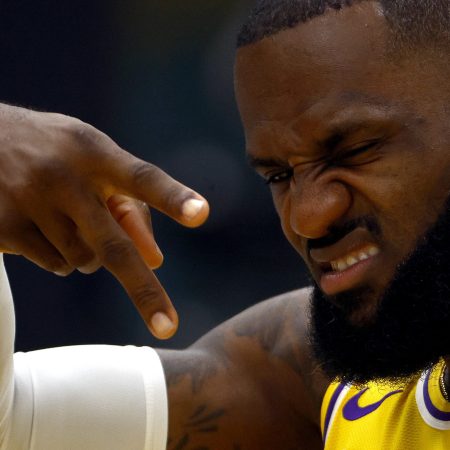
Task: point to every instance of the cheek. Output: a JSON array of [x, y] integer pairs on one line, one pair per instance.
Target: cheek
[[420, 185], [407, 197]]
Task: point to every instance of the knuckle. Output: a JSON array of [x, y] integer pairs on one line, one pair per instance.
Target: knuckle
[[82, 258], [71, 242], [146, 295], [83, 134], [114, 251], [143, 173], [76, 252]]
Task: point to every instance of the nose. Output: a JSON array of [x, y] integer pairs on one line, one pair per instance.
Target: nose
[[317, 203]]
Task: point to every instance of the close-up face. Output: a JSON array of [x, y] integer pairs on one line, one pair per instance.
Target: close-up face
[[354, 143]]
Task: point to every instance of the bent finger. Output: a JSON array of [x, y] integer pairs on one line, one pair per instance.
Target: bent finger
[[159, 190], [119, 256], [134, 218], [35, 247], [62, 233]]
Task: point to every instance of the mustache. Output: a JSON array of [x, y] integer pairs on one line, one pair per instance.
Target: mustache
[[337, 232]]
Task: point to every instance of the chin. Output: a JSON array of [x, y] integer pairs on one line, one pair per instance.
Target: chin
[[392, 335], [360, 305]]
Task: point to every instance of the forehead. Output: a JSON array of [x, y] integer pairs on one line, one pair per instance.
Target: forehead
[[317, 69], [327, 48]]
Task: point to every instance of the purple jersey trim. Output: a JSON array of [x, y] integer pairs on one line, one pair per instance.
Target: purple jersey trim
[[435, 412], [331, 406]]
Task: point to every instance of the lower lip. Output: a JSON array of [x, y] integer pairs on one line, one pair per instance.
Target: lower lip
[[334, 282]]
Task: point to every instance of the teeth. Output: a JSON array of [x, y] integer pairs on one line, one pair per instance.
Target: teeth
[[351, 261], [341, 264], [363, 256]]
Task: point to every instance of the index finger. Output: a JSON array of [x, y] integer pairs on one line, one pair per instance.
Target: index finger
[[119, 256], [147, 182]]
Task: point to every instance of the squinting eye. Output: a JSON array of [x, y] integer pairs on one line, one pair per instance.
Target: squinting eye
[[358, 150], [279, 177]]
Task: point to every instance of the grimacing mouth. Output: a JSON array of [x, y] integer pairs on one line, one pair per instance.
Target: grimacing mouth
[[349, 259]]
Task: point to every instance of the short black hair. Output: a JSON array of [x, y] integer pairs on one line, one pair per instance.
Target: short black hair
[[413, 21]]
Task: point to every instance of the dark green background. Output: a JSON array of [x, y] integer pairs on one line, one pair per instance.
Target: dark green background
[[157, 77]]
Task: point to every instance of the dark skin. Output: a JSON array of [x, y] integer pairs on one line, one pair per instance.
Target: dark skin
[[71, 198], [228, 390], [338, 135], [349, 136]]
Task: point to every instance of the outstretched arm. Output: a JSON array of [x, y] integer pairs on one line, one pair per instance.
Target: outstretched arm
[[250, 384], [69, 198]]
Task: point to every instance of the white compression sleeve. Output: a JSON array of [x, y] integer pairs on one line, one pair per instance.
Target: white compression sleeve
[[78, 398]]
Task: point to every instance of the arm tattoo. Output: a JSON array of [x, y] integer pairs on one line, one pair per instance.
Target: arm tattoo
[[195, 367], [277, 323], [198, 371], [195, 364], [201, 421], [275, 328]]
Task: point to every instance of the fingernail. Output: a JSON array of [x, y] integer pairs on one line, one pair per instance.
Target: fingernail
[[192, 207], [162, 325]]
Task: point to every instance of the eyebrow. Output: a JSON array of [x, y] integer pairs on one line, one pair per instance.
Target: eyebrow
[[338, 132], [258, 163], [336, 135]]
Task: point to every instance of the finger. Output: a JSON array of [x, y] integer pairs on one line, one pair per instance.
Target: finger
[[62, 233], [134, 218], [34, 246], [117, 254], [153, 186]]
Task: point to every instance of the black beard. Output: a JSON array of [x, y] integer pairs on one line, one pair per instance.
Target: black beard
[[411, 328]]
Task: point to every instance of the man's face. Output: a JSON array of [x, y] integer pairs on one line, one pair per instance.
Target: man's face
[[354, 144]]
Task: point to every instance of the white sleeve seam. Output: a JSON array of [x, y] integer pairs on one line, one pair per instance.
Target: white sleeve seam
[[156, 401]]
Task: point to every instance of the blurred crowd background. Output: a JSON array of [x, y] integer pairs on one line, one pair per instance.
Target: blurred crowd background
[[157, 76]]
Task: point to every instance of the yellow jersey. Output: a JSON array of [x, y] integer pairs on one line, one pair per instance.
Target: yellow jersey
[[377, 417]]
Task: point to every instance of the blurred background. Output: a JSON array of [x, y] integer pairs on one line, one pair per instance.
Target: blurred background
[[157, 76]]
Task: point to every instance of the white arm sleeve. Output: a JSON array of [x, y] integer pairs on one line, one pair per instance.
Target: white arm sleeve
[[78, 398]]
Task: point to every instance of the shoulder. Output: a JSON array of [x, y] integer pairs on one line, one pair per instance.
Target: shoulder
[[272, 337], [253, 373]]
